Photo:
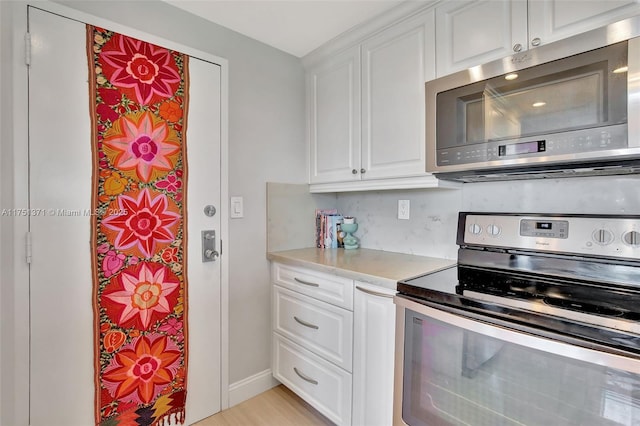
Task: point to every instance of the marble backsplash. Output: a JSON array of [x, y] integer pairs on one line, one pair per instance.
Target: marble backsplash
[[431, 229], [291, 215]]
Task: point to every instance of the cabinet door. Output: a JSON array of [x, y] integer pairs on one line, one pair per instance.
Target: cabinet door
[[551, 20], [395, 65], [474, 32], [333, 93], [373, 356]]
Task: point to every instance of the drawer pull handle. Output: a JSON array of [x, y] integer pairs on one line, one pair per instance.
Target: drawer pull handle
[[306, 282], [304, 377], [374, 293], [306, 324]]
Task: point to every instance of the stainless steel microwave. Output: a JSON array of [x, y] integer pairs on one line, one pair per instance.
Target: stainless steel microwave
[[569, 108]]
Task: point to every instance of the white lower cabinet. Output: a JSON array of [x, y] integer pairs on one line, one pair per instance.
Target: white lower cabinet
[[319, 382], [373, 355], [323, 328], [333, 344]]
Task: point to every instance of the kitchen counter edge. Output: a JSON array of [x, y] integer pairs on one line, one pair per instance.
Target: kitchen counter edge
[[376, 267]]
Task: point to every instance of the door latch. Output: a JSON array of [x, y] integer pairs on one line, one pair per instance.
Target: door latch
[[209, 252]]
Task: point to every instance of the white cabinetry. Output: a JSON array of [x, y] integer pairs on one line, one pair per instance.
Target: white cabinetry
[[395, 65], [373, 355], [551, 20], [334, 350], [312, 349], [473, 32], [366, 109], [333, 97]]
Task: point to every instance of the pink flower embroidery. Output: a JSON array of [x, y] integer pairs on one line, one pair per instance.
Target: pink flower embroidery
[[145, 72], [171, 327], [142, 146], [112, 263], [103, 248], [140, 370], [141, 295], [133, 260], [171, 183], [149, 224]]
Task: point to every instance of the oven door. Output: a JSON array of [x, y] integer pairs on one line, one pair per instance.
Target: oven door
[[454, 370]]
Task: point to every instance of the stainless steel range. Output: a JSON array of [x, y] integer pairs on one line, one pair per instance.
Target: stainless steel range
[[537, 325]]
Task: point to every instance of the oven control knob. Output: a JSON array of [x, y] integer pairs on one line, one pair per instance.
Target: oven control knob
[[475, 229], [632, 238], [493, 230], [602, 236]]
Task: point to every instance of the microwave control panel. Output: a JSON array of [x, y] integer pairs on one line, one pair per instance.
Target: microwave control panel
[[573, 143]]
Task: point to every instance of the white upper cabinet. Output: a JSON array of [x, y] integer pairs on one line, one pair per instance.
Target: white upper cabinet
[[333, 97], [395, 65], [366, 110], [473, 32], [551, 20]]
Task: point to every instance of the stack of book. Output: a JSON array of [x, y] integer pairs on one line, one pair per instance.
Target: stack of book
[[328, 223]]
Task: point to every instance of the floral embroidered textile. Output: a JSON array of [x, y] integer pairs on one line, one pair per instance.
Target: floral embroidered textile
[[138, 109]]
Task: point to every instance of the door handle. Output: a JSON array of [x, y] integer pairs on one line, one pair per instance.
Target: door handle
[[211, 255], [209, 252]]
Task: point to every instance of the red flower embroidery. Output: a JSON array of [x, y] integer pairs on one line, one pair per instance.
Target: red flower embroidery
[[145, 72], [141, 295], [106, 113], [140, 370], [110, 97], [170, 254], [141, 223]]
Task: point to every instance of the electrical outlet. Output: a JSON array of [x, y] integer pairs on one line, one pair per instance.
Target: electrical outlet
[[404, 208]]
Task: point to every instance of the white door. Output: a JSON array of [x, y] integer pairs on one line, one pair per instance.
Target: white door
[[61, 316]]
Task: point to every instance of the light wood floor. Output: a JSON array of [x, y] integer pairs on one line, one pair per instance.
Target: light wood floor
[[275, 407]]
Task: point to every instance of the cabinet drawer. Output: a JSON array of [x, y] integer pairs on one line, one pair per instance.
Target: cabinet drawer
[[326, 287], [323, 385], [322, 328]]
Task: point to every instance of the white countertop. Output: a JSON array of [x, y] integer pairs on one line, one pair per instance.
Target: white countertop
[[376, 267]]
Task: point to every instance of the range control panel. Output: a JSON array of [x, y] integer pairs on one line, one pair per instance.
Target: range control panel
[[544, 228], [607, 236]]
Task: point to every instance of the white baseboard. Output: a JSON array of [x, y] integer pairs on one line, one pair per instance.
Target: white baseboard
[[251, 386]]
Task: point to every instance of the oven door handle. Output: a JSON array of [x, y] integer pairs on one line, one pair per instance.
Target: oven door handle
[[527, 340]]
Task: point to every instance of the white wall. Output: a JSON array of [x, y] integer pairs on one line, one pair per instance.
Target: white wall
[[431, 230], [266, 143]]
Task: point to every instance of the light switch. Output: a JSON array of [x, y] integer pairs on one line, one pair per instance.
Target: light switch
[[237, 208]]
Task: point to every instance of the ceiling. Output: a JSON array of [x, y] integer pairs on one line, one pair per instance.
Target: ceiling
[[294, 26]]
